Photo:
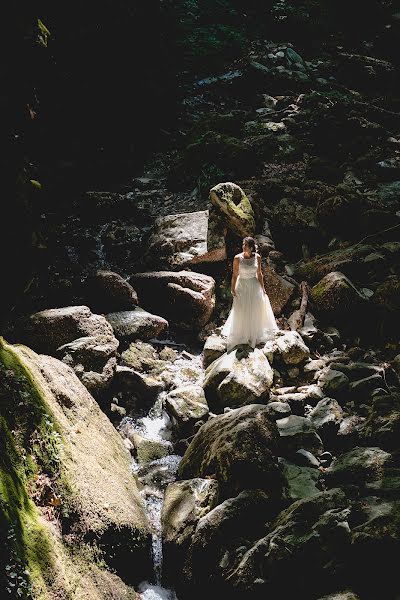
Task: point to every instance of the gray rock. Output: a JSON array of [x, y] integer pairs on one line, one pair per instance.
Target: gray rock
[[382, 426], [335, 294], [185, 298], [214, 347], [304, 458], [342, 595], [186, 406], [229, 381], [109, 292], [298, 432], [367, 470], [333, 383], [93, 360], [302, 481], [47, 330], [185, 503], [278, 410], [236, 448], [292, 348], [136, 324], [364, 387], [231, 200], [326, 417]]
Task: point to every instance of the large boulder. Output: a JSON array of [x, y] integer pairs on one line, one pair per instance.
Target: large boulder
[[96, 493], [214, 347], [47, 330], [302, 480], [312, 531], [326, 417], [365, 470], [184, 298], [107, 292], [82, 340], [231, 200], [291, 348], [138, 324], [237, 449], [185, 503], [222, 536], [336, 295], [180, 239], [234, 381]]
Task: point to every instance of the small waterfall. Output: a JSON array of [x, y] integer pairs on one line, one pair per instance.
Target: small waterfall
[[156, 474]]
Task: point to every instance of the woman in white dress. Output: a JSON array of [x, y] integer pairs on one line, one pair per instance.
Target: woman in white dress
[[251, 320]]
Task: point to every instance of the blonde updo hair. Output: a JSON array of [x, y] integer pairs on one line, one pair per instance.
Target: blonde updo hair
[[252, 243]]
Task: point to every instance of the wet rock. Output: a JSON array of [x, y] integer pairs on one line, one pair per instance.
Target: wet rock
[[145, 386], [230, 381], [326, 416], [109, 292], [93, 360], [231, 200], [147, 450], [312, 530], [214, 347], [143, 357], [291, 348], [186, 406], [298, 432], [382, 426], [184, 298], [237, 448], [47, 330], [302, 481], [185, 503], [136, 324], [336, 295], [180, 239]]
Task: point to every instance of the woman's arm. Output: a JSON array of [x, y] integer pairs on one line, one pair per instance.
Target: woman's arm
[[259, 273], [235, 274]]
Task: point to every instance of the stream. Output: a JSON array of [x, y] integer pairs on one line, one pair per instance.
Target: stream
[[156, 473]]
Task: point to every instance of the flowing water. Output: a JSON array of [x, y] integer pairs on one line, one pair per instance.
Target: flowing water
[[156, 474]]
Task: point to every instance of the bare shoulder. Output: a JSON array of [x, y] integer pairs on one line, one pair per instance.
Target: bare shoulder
[[258, 256], [237, 256]]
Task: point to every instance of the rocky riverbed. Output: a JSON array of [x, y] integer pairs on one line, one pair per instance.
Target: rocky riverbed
[[138, 457]]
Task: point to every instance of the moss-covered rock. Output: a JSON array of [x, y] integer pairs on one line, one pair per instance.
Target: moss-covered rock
[[231, 200], [66, 458]]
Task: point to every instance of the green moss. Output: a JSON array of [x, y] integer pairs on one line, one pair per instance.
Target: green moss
[[29, 445]]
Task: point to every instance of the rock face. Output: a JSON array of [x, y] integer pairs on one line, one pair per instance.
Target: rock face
[[109, 292], [230, 381], [231, 200], [181, 239], [184, 298], [82, 340], [98, 495], [298, 432], [138, 324], [237, 449], [279, 290]]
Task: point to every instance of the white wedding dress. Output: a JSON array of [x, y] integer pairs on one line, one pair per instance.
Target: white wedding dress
[[251, 320]]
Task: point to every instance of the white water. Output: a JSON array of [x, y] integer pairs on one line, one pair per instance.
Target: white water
[[158, 473]]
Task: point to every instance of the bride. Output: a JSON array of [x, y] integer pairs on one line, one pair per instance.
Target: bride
[[251, 320]]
